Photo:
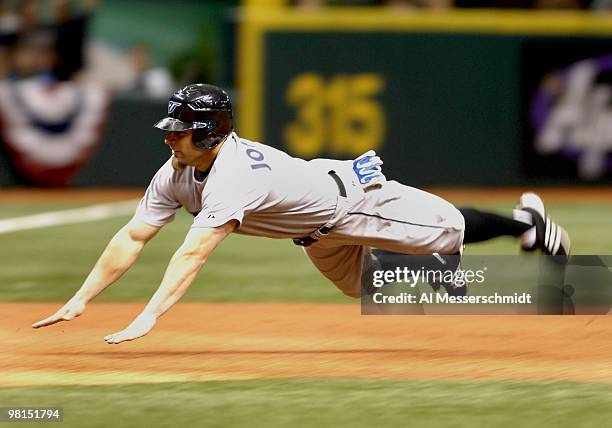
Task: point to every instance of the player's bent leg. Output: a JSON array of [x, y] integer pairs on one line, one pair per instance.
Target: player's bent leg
[[395, 218], [342, 265], [350, 267], [370, 266], [371, 285], [402, 219]]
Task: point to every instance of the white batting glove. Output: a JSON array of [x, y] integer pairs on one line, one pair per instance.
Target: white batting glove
[[368, 170]]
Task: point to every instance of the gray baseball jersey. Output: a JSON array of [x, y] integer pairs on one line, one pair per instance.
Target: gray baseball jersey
[[272, 194], [267, 191]]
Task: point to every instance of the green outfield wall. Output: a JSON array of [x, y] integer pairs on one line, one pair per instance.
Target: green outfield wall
[[456, 98], [132, 150]]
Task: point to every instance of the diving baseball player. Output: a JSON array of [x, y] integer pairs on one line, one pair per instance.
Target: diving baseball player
[[336, 210]]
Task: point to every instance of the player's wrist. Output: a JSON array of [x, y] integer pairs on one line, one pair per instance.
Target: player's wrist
[[151, 313], [82, 297]]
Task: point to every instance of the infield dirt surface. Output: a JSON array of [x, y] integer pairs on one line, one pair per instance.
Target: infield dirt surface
[[230, 341], [219, 341]]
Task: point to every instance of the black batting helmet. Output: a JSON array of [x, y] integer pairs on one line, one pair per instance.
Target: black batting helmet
[[206, 109]]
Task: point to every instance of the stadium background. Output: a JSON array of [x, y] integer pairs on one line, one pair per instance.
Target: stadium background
[[454, 100]]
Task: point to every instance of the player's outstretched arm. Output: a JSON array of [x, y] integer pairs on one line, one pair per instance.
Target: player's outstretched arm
[[182, 270], [119, 255]]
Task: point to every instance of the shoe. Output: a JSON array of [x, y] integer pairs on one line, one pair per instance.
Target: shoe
[[545, 235]]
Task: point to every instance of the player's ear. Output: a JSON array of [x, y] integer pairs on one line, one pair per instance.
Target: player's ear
[[178, 166]]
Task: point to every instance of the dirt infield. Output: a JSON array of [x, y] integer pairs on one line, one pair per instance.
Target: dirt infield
[[196, 342]]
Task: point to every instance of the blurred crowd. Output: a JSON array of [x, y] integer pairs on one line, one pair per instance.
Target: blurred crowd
[[448, 4], [47, 41], [51, 47]]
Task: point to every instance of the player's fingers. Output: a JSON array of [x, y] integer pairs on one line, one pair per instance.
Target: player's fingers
[[61, 315], [55, 318], [122, 336], [115, 339]]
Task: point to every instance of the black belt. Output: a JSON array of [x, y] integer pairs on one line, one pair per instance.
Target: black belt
[[305, 241]]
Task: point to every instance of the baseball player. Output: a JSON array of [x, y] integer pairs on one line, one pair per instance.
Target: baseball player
[[336, 210]]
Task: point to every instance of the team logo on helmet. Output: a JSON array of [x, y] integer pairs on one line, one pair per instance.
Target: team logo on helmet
[[172, 105]]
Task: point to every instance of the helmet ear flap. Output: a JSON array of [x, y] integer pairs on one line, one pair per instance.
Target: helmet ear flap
[[204, 139], [207, 135]]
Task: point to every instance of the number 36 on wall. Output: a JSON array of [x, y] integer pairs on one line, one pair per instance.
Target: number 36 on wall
[[338, 116]]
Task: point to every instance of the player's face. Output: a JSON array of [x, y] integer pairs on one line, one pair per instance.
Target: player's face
[[182, 147]]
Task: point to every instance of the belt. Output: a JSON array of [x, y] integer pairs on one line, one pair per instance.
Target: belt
[[324, 230]]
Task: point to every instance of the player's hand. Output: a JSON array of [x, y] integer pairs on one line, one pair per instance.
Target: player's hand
[[143, 324], [72, 309]]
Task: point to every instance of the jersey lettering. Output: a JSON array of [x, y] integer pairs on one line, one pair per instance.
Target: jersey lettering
[[261, 165], [257, 156]]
